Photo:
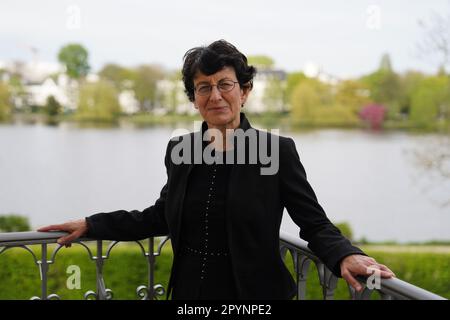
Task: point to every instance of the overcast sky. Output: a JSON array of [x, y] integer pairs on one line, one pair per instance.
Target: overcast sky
[[346, 38]]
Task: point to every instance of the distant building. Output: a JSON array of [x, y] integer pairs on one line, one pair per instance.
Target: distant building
[[33, 72], [128, 102], [313, 70], [38, 93], [260, 97], [171, 97]]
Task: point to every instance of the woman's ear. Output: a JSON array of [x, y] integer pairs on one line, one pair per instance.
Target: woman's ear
[[245, 91]]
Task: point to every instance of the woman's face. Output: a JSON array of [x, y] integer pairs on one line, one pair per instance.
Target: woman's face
[[220, 109]]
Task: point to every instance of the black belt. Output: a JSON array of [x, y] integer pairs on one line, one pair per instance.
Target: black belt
[[204, 252]]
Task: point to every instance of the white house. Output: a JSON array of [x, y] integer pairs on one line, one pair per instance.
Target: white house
[[257, 102], [173, 97], [128, 102], [38, 93]]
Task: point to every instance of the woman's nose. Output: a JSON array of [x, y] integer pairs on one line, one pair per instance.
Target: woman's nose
[[215, 93]]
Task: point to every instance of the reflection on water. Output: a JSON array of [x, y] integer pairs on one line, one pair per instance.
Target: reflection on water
[[52, 174]]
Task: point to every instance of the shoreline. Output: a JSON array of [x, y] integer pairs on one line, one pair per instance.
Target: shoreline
[[283, 121]]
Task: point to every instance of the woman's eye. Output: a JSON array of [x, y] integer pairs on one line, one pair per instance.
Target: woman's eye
[[203, 88], [226, 85]]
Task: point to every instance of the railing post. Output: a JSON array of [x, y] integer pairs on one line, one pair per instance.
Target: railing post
[[151, 269], [328, 281], [43, 268], [101, 289], [302, 269]]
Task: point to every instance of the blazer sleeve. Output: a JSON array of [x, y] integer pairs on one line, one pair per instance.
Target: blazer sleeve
[[131, 225], [298, 197]]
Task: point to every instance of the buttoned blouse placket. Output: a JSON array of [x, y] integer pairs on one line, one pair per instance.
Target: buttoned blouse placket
[[208, 206]]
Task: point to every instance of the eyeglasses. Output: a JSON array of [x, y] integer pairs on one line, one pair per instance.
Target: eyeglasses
[[222, 86]]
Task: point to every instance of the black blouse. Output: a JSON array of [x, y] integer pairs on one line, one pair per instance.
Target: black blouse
[[204, 269]]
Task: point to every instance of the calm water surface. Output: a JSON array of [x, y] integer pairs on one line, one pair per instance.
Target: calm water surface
[[52, 174]]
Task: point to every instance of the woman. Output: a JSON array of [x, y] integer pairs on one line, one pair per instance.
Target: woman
[[223, 217]]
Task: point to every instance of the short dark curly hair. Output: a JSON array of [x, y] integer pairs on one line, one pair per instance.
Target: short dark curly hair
[[212, 58]]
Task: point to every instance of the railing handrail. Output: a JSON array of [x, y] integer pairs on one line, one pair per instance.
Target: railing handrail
[[23, 239], [7, 238], [393, 286]]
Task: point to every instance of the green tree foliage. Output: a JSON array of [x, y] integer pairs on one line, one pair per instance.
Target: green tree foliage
[[292, 81], [335, 115], [98, 102], [18, 91], [385, 64], [14, 223], [352, 94], [409, 83], [274, 97], [52, 107], [5, 102], [121, 77], [431, 100], [261, 61], [345, 229], [173, 95], [145, 88], [384, 86], [304, 99], [75, 58], [314, 102]]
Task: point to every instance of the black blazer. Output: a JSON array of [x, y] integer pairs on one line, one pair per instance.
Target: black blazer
[[255, 206]]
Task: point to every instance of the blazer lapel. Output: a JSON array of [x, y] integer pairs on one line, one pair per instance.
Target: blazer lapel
[[183, 178]]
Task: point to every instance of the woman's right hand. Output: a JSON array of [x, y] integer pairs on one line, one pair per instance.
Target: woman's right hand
[[76, 229]]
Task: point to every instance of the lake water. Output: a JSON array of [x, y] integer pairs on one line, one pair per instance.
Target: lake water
[[52, 174]]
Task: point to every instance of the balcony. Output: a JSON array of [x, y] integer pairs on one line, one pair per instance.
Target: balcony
[[388, 289]]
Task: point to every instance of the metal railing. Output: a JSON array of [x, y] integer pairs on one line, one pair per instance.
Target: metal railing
[[389, 289], [301, 255], [151, 291]]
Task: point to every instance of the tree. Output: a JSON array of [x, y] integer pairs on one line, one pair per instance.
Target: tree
[[374, 115], [384, 86], [409, 83], [52, 107], [5, 102], [313, 101], [14, 223], [75, 58], [345, 229], [292, 81], [385, 64], [431, 100], [172, 95], [352, 94], [122, 78], [145, 88], [436, 41], [306, 97], [261, 61], [273, 96], [98, 102]]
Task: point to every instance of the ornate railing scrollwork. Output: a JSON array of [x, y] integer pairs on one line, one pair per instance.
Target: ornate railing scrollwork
[[302, 258], [390, 289], [25, 239]]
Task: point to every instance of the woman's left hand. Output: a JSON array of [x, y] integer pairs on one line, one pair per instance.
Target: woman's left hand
[[357, 264]]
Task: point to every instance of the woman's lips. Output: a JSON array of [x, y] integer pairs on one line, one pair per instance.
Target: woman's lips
[[218, 108]]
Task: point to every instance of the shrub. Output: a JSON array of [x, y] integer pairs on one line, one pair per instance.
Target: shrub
[[14, 223]]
